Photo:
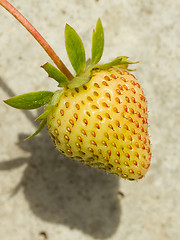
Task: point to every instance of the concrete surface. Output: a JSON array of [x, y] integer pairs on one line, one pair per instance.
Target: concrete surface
[[43, 193]]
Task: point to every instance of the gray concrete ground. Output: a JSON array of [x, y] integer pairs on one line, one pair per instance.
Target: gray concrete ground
[[40, 190]]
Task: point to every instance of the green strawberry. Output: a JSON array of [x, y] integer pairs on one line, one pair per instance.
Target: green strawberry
[[99, 116], [103, 123]]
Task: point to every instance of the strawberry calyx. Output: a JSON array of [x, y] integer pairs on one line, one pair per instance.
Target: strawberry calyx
[[86, 76], [83, 73], [76, 53]]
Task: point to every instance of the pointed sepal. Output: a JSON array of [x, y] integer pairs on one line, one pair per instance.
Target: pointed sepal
[[43, 119], [54, 73], [45, 113], [97, 43], [121, 61], [30, 100], [41, 126], [75, 49]]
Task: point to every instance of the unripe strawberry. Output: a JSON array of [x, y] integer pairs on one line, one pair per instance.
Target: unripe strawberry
[[99, 116], [103, 123]]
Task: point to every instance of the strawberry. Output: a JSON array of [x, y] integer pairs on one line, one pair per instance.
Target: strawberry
[[103, 123], [98, 116]]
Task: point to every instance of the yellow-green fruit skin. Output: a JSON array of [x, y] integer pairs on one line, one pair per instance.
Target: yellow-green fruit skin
[[104, 124]]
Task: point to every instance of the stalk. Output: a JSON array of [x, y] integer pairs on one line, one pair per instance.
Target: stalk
[[11, 9]]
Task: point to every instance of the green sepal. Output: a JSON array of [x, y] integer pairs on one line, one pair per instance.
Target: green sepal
[[86, 76], [54, 73], [30, 100], [43, 119], [119, 61], [89, 64], [97, 43], [41, 126], [81, 79], [75, 49], [45, 113]]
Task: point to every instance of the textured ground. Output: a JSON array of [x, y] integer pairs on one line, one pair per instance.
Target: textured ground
[[41, 191]]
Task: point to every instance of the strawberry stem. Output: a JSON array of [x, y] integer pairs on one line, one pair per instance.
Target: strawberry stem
[[11, 9]]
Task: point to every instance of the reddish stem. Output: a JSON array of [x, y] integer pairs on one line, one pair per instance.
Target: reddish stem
[[11, 9]]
